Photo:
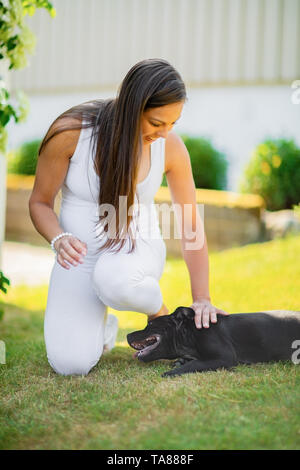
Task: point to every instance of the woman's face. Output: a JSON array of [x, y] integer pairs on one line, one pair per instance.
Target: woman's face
[[158, 122]]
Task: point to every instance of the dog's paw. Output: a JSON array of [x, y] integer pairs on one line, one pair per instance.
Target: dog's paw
[[179, 362], [169, 373], [176, 364], [166, 374]]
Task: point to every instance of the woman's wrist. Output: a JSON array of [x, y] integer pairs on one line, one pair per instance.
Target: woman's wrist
[[57, 238], [199, 298]]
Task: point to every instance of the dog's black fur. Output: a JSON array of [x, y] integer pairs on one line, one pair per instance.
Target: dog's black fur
[[242, 338]]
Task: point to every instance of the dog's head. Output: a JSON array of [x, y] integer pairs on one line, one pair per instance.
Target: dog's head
[[159, 339]]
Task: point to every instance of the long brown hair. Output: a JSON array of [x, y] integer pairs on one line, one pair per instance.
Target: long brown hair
[[116, 134]]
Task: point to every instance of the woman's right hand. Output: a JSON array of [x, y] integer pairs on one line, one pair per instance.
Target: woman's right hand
[[71, 249]]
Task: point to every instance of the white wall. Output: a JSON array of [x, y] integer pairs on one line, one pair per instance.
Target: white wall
[[91, 44], [227, 51]]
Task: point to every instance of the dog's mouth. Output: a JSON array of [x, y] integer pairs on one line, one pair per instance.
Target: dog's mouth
[[144, 347]]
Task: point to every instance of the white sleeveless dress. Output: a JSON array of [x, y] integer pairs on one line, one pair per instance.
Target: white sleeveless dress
[[78, 298]]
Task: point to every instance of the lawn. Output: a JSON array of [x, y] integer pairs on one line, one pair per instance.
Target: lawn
[[124, 404]]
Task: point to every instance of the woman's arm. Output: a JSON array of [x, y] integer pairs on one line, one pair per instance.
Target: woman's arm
[[52, 166], [198, 266], [193, 242]]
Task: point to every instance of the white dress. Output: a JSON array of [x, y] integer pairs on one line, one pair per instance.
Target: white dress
[[74, 326]]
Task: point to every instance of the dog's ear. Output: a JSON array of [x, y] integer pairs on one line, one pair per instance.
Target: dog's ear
[[184, 312]]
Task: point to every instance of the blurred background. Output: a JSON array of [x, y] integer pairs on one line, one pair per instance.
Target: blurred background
[[238, 59], [241, 64]]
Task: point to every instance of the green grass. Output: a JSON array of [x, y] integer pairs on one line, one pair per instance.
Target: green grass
[[124, 404]]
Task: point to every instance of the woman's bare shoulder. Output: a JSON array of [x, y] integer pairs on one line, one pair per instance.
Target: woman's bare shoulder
[[65, 133], [174, 146], [53, 161]]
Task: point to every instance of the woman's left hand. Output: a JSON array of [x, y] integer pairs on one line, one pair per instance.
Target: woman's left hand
[[205, 312]]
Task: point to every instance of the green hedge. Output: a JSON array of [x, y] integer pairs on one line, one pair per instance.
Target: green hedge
[[23, 161], [209, 166], [273, 172]]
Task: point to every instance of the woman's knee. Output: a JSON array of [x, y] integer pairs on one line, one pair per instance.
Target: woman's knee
[[126, 286], [111, 285], [143, 295]]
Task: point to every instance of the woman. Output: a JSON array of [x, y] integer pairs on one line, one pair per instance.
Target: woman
[[126, 144]]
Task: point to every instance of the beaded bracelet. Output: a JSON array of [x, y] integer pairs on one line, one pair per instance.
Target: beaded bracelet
[[57, 238]]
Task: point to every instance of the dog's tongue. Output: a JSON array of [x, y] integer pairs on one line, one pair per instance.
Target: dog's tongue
[[135, 354]]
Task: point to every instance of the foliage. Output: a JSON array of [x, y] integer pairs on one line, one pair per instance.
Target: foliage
[[16, 40], [274, 173], [24, 160], [297, 210], [3, 281], [209, 166]]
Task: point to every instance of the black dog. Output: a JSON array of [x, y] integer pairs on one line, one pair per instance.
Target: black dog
[[242, 338]]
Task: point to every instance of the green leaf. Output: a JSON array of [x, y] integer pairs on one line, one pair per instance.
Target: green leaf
[[3, 280], [4, 118], [12, 43]]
